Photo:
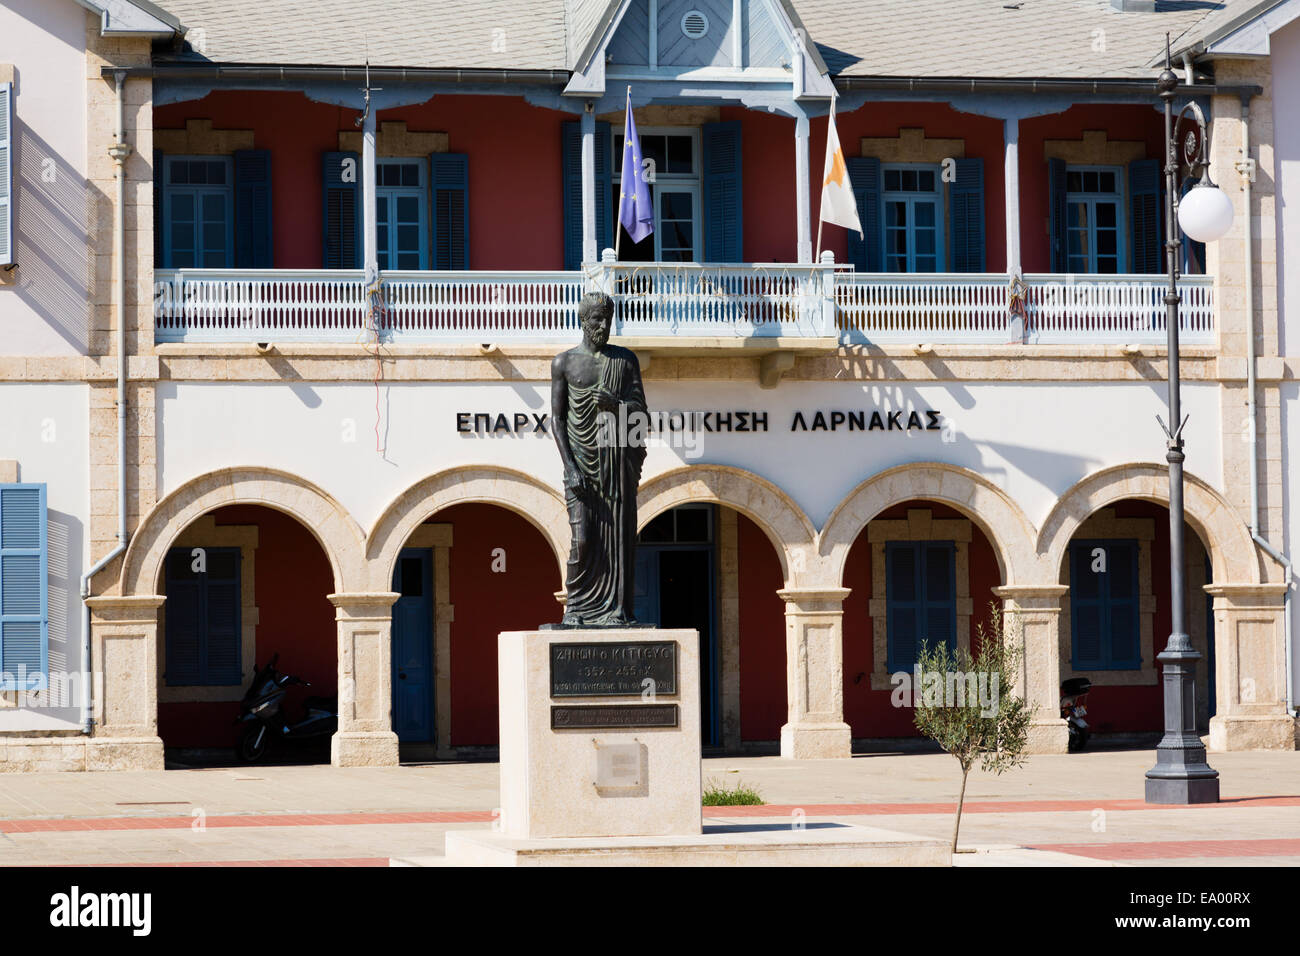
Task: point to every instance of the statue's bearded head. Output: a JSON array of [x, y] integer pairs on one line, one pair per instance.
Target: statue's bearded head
[[595, 313]]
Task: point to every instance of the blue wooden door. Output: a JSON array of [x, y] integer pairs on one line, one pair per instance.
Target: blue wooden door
[[413, 646]]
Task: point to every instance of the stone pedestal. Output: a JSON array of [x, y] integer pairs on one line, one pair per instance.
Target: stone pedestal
[[564, 775], [365, 736], [124, 656], [814, 654], [1250, 669], [1033, 615]]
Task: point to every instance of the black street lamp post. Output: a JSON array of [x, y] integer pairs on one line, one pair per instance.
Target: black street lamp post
[[1181, 773]]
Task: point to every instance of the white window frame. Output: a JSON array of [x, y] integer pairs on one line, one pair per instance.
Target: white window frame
[[913, 198], [1118, 197], [391, 193]]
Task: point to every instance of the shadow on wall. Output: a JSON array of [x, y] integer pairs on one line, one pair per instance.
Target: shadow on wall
[[52, 237]]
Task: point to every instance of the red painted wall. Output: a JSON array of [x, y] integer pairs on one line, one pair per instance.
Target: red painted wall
[[868, 712], [1120, 122], [291, 578], [762, 635], [487, 603], [514, 167]]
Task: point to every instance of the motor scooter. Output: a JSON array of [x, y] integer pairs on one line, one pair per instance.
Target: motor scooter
[[262, 714], [1073, 694]]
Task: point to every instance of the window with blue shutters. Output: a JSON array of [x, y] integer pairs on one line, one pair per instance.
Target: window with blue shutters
[[1146, 216], [198, 212], [966, 210], [1104, 605], [203, 630], [920, 599], [24, 596]]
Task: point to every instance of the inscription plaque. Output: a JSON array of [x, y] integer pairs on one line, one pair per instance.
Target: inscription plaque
[[613, 670], [613, 716]]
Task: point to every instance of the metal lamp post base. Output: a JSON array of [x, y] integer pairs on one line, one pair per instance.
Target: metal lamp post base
[[1181, 773]]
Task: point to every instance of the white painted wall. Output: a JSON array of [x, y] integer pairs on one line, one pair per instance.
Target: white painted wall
[[46, 428], [44, 306], [1033, 440]]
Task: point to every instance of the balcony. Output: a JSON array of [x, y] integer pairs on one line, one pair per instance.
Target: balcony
[[671, 300]]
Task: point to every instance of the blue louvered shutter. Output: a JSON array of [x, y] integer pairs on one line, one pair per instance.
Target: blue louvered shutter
[[202, 619], [341, 199], [6, 174], [902, 603], [937, 560], [1087, 609], [449, 176], [1122, 607], [158, 256], [967, 200], [571, 189], [24, 598], [1145, 221], [865, 251], [723, 193], [1056, 214], [253, 209]]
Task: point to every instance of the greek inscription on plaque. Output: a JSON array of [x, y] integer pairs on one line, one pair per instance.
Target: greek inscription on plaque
[[614, 670], [613, 716]]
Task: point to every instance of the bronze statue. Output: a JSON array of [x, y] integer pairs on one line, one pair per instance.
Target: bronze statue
[[598, 415]]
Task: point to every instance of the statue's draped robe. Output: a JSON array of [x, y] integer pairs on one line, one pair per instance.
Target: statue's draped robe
[[601, 580]]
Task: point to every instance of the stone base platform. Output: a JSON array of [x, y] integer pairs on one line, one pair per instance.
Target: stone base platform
[[747, 844]]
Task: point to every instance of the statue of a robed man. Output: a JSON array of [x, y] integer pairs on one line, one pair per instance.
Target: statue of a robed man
[[596, 392]]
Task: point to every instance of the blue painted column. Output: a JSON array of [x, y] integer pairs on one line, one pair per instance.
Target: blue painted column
[[589, 251]]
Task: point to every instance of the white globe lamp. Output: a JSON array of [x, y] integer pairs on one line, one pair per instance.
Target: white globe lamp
[[1205, 213]]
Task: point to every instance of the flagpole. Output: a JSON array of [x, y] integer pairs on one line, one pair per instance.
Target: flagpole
[[830, 121], [618, 226]]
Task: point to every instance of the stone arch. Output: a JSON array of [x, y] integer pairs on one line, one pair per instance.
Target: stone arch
[[336, 531], [1233, 555], [783, 521], [534, 500], [992, 510]]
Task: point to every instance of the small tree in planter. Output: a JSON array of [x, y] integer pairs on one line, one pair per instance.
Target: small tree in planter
[[966, 704]]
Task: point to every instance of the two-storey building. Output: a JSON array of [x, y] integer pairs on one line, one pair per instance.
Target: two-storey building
[[307, 333]]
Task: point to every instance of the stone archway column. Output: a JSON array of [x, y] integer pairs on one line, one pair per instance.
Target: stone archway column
[[814, 668], [365, 736], [1250, 669], [124, 665], [1036, 613]]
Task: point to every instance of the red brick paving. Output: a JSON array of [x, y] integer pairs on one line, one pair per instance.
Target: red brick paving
[[1176, 849], [980, 806]]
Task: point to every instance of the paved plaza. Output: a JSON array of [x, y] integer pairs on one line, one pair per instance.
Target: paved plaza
[[1076, 810]]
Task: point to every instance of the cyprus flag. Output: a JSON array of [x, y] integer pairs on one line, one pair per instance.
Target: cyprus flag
[[838, 205]]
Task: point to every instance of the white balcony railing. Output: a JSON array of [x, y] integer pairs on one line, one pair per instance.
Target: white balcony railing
[[672, 300], [1059, 309]]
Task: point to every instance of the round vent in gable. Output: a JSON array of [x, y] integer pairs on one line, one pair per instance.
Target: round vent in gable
[[695, 24]]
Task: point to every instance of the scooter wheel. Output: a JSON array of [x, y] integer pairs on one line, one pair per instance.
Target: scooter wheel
[[252, 744]]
